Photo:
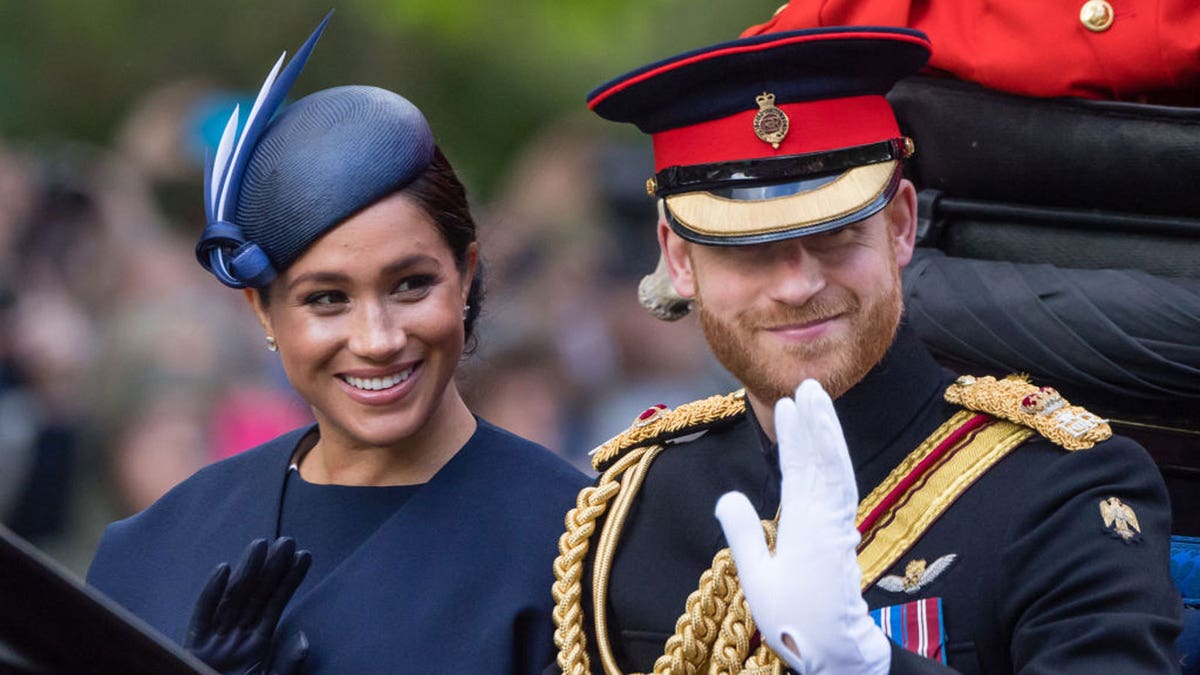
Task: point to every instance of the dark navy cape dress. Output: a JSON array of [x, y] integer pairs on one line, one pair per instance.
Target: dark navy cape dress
[[456, 580]]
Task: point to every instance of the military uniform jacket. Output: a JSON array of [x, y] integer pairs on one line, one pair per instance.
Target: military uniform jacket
[[455, 581], [1036, 582]]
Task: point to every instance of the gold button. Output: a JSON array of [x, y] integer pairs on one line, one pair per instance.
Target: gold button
[[651, 186], [1096, 15]]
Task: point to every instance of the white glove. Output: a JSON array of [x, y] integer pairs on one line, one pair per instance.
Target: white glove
[[809, 589]]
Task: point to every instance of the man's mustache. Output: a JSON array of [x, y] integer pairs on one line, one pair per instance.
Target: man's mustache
[[817, 309]]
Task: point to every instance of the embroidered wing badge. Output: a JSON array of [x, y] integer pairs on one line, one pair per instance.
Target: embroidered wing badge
[[917, 575], [1120, 521]]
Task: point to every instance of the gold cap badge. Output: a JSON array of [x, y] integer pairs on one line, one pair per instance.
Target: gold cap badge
[[770, 123]]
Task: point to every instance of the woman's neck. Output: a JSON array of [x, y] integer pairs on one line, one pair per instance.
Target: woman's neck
[[411, 461]]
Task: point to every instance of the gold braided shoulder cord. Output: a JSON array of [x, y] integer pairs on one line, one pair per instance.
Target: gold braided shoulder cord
[[716, 620], [606, 549], [590, 505], [731, 650]]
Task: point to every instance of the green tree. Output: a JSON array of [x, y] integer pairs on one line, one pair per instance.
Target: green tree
[[487, 74]]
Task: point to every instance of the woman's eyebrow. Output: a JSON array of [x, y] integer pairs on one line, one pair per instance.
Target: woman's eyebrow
[[333, 277], [410, 261]]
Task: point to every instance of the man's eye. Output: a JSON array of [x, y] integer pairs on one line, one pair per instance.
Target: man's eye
[[840, 233]]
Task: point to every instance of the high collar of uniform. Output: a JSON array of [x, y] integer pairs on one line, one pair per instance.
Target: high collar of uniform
[[884, 403], [877, 410]]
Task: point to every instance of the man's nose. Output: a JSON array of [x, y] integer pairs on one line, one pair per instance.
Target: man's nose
[[797, 275]]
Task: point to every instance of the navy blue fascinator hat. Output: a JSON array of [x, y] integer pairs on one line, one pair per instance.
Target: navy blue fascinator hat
[[275, 189]]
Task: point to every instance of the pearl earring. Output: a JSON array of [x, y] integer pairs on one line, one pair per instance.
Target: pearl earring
[[271, 345], [466, 309]]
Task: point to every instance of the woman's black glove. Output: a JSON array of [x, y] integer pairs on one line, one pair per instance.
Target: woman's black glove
[[233, 624]]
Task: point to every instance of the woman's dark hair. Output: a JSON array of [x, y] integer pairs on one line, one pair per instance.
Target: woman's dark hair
[[441, 194]]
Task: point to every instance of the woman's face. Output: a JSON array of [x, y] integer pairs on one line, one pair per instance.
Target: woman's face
[[369, 324]]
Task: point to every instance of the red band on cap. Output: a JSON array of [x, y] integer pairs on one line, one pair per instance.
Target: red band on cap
[[813, 126]]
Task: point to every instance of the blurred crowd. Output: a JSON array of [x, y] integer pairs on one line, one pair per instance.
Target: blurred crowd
[[124, 367], [567, 356]]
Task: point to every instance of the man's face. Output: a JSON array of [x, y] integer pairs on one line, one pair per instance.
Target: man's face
[[824, 306]]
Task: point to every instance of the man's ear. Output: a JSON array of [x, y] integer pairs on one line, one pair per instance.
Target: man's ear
[[902, 221], [679, 264]]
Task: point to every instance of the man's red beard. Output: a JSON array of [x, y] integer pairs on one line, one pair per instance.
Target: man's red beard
[[837, 364]]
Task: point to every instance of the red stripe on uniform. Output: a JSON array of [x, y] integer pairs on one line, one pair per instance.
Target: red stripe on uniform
[[912, 626], [931, 460]]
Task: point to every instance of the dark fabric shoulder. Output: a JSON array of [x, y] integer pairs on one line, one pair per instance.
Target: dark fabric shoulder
[[1117, 462], [198, 499], [214, 483], [154, 563], [1058, 493], [1101, 518]]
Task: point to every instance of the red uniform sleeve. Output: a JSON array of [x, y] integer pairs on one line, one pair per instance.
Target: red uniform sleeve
[[1148, 52]]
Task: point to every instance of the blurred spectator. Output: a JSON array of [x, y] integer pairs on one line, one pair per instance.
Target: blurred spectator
[[524, 386], [116, 358], [16, 415], [51, 244], [190, 379], [566, 354]]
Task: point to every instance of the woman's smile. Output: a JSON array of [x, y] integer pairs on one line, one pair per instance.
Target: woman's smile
[[381, 389]]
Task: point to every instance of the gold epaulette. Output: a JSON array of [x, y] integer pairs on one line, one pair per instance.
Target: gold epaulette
[[1042, 409], [660, 423]]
